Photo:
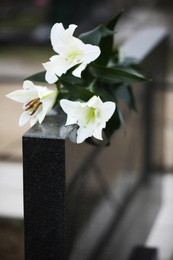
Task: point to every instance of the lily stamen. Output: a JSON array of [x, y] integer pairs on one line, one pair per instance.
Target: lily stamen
[[35, 103], [32, 103], [35, 108]]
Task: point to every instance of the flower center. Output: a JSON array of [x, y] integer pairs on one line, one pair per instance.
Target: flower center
[[33, 106], [75, 55], [90, 115]]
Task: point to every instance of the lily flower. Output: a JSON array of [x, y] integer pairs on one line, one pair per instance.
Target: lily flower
[[71, 51], [37, 101], [91, 116]]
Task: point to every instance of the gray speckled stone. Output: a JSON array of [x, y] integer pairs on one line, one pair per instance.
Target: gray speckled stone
[[44, 189]]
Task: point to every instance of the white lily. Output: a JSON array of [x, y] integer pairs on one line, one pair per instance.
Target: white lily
[[37, 101], [91, 116], [71, 51]]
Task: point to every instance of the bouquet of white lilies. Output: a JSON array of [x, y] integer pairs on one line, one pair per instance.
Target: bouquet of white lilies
[[90, 77]]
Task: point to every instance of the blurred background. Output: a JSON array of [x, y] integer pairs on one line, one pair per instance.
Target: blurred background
[[24, 46]]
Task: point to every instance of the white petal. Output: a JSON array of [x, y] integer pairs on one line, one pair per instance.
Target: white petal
[[71, 29], [45, 92], [48, 102], [38, 116], [95, 102], [24, 118], [56, 66], [60, 38], [71, 120], [50, 77], [91, 53], [33, 120], [108, 109], [22, 95], [27, 84], [77, 72], [83, 116], [70, 107], [97, 133], [82, 134]]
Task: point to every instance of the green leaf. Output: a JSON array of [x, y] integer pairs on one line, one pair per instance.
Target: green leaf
[[76, 92], [120, 117], [69, 71], [102, 36], [131, 70], [94, 36], [63, 95], [103, 93], [115, 75], [91, 86], [75, 80], [125, 93], [129, 61], [38, 77], [112, 23], [112, 125], [106, 44]]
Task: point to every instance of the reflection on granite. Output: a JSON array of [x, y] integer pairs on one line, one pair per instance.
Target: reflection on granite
[[53, 127]]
